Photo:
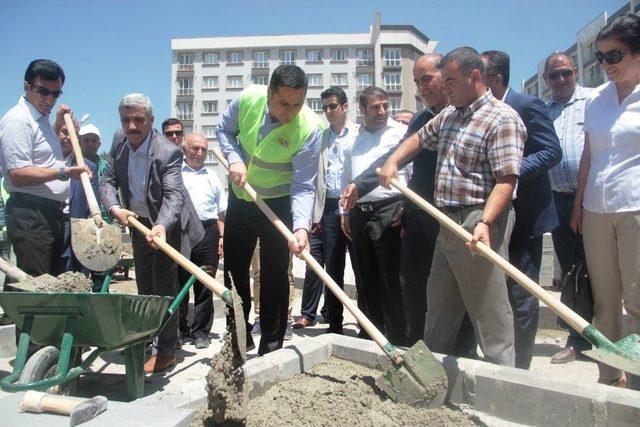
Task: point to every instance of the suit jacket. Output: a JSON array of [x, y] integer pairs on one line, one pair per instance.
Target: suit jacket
[[78, 205], [168, 201], [321, 184], [535, 210]]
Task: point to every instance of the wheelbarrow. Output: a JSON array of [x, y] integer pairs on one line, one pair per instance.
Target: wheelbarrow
[[72, 321]]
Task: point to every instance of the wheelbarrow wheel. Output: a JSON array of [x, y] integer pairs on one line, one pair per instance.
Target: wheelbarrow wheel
[[42, 365]]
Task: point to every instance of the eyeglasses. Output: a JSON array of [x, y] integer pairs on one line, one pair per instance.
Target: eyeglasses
[[46, 92], [330, 107], [555, 75], [612, 57], [172, 133]]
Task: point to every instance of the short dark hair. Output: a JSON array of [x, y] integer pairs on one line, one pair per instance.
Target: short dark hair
[[288, 75], [467, 58], [46, 69], [499, 63], [625, 29], [554, 55], [336, 91], [171, 121], [371, 91]]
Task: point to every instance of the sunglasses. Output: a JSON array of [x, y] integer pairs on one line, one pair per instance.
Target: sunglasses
[[612, 57], [46, 92], [330, 107], [564, 73], [172, 133]]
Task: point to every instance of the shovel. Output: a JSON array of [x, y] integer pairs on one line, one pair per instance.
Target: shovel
[[415, 377], [25, 282], [230, 297], [96, 244], [623, 354]]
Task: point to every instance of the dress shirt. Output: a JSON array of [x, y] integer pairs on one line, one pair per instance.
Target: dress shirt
[[138, 177], [27, 139], [304, 163], [335, 157], [366, 149], [568, 120], [206, 192], [476, 145], [613, 128]]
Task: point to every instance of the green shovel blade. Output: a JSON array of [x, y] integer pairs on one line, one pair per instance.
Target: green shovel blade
[[623, 354]]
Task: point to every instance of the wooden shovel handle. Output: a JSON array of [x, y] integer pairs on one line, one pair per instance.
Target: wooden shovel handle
[[211, 283], [36, 401], [575, 321], [365, 323], [94, 208]]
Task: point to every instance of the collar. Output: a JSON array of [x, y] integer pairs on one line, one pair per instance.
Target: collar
[[349, 127], [144, 148], [187, 168], [578, 94], [475, 105], [35, 114]]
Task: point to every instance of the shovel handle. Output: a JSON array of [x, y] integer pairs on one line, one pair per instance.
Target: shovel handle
[[36, 401], [211, 283], [94, 208], [364, 322], [569, 316]]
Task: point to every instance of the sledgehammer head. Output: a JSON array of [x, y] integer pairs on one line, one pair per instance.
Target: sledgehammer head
[[88, 410]]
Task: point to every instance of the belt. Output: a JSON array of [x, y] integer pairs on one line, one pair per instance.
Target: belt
[[38, 201], [454, 209], [372, 206]]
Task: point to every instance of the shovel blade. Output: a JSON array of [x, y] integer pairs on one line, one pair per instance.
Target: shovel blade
[[97, 248], [420, 380], [624, 355]]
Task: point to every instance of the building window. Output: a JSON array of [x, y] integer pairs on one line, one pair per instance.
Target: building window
[[187, 130], [234, 82], [394, 106], [235, 57], [364, 57], [288, 57], [391, 56], [210, 82], [364, 80], [314, 55], [315, 104], [315, 80], [260, 80], [392, 81], [185, 110], [209, 131], [339, 79], [261, 59], [209, 107], [211, 158], [185, 86], [185, 61], [211, 58], [595, 76], [338, 54]]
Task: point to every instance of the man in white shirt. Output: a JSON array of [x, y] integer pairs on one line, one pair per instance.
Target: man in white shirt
[[210, 201], [372, 224]]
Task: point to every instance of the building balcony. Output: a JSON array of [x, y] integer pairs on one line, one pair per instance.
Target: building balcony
[[287, 62], [393, 88], [260, 64], [185, 67], [185, 91], [392, 63], [364, 62], [185, 116]]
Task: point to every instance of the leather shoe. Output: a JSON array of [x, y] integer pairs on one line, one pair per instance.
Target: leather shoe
[[5, 320], [159, 363], [201, 342], [567, 354], [302, 323]]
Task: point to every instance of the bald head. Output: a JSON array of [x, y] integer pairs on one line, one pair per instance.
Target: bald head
[[561, 76], [428, 80], [195, 148], [557, 56]]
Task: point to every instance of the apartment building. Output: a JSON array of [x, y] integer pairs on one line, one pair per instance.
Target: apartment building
[[208, 73]]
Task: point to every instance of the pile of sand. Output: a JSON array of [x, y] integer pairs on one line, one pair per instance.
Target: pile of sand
[[65, 282]]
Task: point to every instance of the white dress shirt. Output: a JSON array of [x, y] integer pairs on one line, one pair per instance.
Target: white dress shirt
[[206, 192], [336, 146], [137, 173]]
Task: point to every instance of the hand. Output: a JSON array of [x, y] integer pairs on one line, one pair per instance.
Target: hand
[[238, 173], [480, 234], [220, 247], [209, 270], [157, 233], [121, 215], [60, 112], [75, 171], [576, 219], [345, 224], [349, 196], [300, 243], [387, 173]]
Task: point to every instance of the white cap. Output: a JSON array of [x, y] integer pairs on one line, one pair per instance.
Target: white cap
[[87, 129]]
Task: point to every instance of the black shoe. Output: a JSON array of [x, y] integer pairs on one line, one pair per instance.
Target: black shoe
[[202, 342], [182, 338], [5, 320]]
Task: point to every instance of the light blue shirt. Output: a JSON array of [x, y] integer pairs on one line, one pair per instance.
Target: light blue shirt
[[206, 192], [336, 145], [305, 162], [138, 177], [568, 120]]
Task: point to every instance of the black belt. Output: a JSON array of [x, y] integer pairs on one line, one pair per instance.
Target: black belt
[[454, 209], [38, 201], [209, 222], [372, 206]]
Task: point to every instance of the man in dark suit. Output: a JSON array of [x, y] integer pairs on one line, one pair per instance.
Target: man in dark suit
[[535, 210], [145, 167]]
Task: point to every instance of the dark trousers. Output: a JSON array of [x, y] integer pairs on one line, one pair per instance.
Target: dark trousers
[[205, 253], [525, 253], [564, 241], [244, 224], [157, 274], [312, 286], [378, 262]]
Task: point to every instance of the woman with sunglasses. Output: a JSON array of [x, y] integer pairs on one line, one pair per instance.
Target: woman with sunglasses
[[607, 203]]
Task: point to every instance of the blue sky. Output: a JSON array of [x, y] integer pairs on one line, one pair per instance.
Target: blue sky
[[113, 47]]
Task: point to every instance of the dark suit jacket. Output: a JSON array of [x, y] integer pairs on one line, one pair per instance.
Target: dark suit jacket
[[78, 205], [168, 201], [535, 210]]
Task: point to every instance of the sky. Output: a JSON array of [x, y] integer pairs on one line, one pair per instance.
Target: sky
[[113, 47]]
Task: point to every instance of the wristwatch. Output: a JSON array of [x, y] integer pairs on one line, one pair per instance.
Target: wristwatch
[[62, 174], [483, 221]]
